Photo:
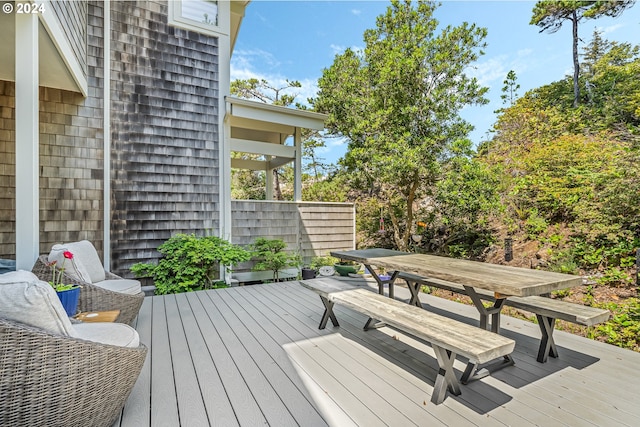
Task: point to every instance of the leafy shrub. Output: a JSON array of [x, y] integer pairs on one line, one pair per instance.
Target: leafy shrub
[[613, 276], [191, 263], [563, 262], [271, 255], [535, 224], [319, 261]]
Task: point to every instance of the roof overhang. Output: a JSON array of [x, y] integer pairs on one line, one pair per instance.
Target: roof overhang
[[58, 68], [237, 13], [259, 128]]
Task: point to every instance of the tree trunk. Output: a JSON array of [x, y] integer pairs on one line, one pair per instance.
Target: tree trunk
[[576, 64], [276, 184]]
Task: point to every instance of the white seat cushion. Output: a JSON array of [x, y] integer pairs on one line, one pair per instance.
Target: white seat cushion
[[86, 256], [125, 286], [25, 299], [74, 267], [107, 333]]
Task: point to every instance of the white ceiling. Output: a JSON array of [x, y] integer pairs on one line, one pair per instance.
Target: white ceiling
[[53, 71]]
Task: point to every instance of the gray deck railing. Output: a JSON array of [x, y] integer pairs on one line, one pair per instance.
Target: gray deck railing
[[309, 228]]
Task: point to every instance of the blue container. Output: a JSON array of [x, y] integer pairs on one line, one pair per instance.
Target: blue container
[[7, 265], [69, 300]]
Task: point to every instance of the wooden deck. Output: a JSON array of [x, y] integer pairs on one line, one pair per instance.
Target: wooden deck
[[254, 356]]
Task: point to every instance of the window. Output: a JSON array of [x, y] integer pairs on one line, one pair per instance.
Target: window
[[205, 16]]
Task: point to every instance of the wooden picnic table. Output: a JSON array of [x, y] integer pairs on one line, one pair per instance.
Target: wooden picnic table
[[504, 281]]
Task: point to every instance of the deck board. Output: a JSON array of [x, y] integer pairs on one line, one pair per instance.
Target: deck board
[[164, 399], [214, 397], [254, 355]]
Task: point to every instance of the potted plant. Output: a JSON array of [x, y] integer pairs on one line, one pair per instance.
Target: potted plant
[[308, 272], [271, 255], [69, 294], [345, 267]]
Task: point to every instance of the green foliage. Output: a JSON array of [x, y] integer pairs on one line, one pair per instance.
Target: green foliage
[[563, 261], [271, 255], [510, 88], [397, 102], [535, 225], [190, 263], [550, 15], [320, 261], [562, 293], [613, 276], [331, 188], [623, 330], [466, 198]]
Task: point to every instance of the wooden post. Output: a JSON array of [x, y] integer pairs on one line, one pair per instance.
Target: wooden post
[[508, 249]]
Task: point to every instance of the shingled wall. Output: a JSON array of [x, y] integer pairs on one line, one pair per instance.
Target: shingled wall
[[308, 228], [164, 111], [7, 170], [164, 131]]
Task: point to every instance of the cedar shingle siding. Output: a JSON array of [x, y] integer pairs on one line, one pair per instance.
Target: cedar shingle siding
[[164, 140], [7, 170], [164, 99]]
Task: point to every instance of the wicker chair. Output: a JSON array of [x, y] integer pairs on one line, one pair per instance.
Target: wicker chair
[[54, 380], [95, 298]]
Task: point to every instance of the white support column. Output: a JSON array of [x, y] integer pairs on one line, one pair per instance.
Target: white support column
[[27, 141], [224, 146], [106, 164], [297, 171]]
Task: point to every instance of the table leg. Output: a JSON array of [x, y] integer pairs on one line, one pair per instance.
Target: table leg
[[494, 311], [381, 282]]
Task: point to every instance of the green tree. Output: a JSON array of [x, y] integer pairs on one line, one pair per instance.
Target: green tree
[[510, 88], [398, 101], [466, 198], [594, 51], [550, 15], [271, 255]]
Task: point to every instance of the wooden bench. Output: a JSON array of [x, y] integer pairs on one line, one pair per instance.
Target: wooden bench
[[448, 337], [547, 310]]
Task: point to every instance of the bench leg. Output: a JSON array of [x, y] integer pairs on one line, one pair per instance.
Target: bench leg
[[446, 379], [473, 371], [547, 344], [328, 314], [373, 324]]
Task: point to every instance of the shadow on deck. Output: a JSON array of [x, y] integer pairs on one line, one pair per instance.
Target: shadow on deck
[[254, 355]]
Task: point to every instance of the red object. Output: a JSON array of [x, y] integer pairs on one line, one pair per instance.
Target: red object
[[67, 255]]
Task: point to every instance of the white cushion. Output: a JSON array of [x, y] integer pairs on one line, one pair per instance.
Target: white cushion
[[27, 300], [107, 333], [125, 286], [74, 267]]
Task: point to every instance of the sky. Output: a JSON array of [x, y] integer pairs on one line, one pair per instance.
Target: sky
[[296, 40]]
